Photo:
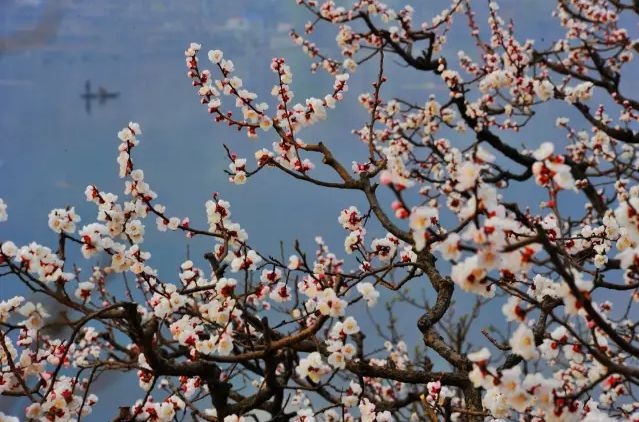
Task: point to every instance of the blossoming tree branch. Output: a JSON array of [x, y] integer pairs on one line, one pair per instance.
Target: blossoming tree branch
[[248, 336]]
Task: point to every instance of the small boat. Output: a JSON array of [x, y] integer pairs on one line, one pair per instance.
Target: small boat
[[101, 95]]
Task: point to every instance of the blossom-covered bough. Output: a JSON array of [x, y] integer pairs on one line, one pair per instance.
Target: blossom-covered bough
[[257, 337]]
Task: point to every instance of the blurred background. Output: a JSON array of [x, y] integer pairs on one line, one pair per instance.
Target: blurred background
[[72, 73]]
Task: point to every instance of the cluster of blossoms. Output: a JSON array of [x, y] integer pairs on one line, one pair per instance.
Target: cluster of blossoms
[[63, 398], [550, 398], [550, 170], [39, 261], [61, 220]]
